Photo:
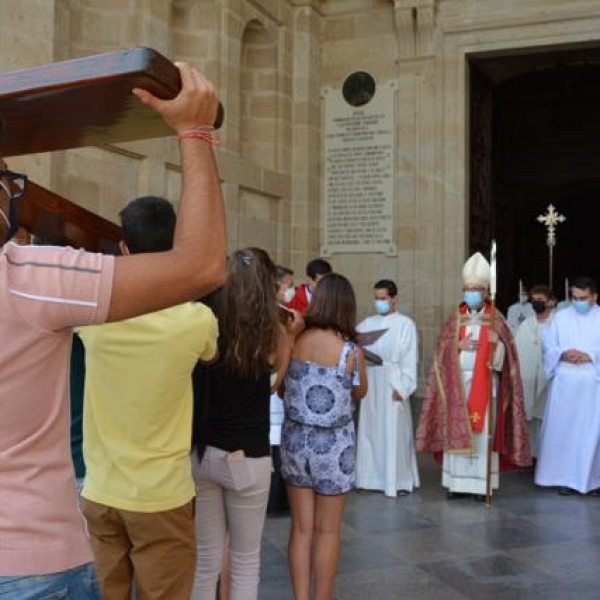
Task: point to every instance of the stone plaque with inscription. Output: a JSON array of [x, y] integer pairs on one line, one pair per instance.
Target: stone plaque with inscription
[[358, 171]]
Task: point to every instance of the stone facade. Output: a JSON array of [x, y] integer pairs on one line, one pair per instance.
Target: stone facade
[[270, 60]]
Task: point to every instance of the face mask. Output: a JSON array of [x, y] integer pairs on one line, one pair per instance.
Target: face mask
[[382, 306], [581, 306], [472, 298], [539, 306], [288, 295]]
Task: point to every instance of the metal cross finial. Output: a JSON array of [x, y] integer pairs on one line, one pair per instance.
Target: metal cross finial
[[551, 219]]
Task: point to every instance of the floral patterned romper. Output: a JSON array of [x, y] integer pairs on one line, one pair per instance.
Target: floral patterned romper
[[318, 445]]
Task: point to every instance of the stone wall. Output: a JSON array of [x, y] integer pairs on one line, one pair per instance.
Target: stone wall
[[270, 61], [394, 42], [244, 47]]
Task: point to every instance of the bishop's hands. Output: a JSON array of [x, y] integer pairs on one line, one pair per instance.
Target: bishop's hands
[[575, 357], [470, 344], [194, 106]]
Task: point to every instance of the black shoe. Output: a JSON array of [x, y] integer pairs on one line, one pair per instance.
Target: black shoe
[[565, 491], [594, 493], [403, 492], [454, 495]]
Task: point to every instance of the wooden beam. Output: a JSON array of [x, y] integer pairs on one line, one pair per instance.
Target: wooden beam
[[84, 102], [58, 221]]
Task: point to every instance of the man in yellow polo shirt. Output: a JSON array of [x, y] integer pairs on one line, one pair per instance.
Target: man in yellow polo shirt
[[137, 427]]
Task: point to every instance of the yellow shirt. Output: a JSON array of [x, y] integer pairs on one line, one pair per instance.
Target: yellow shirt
[[138, 406]]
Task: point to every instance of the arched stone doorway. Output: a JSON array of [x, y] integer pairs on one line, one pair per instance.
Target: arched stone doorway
[[535, 141]]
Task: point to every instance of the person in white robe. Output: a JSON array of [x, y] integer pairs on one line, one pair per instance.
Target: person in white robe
[[475, 365], [519, 311], [386, 458], [528, 340], [466, 473], [569, 448]]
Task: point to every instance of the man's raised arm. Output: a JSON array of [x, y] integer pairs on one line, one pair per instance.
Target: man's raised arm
[[196, 265]]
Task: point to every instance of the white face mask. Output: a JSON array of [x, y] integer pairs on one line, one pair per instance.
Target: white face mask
[[288, 294]]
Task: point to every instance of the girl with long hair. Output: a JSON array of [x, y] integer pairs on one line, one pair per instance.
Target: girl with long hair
[[318, 446], [231, 460]]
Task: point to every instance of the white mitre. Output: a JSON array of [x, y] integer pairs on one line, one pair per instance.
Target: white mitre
[[476, 272]]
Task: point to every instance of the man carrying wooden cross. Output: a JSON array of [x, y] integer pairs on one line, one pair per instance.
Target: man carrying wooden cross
[[44, 292]]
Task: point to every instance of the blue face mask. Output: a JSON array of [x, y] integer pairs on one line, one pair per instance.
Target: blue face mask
[[382, 306], [581, 306], [472, 298]]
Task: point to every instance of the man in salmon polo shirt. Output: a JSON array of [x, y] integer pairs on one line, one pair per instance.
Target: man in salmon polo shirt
[[44, 292]]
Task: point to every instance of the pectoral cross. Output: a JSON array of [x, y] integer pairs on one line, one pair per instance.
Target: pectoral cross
[[551, 219]]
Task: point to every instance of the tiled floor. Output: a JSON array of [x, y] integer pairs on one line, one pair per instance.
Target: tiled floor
[[531, 544]]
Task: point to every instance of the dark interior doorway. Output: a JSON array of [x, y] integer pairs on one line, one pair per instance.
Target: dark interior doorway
[[535, 141]]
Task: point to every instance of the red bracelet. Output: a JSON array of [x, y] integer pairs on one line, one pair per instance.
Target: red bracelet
[[203, 133]]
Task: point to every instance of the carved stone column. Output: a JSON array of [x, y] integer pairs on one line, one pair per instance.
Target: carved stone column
[[415, 26], [405, 30]]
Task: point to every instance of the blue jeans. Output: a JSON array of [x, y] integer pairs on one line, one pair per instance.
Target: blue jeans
[[76, 584]]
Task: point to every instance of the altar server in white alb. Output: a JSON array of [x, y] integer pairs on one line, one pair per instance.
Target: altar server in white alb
[[569, 450], [386, 458], [528, 340], [520, 310]]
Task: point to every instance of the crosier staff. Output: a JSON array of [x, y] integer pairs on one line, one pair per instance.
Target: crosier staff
[[490, 408]]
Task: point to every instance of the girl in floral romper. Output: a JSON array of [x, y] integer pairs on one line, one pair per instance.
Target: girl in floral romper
[[318, 446]]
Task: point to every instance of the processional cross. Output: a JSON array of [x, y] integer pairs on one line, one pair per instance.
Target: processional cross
[[551, 219]]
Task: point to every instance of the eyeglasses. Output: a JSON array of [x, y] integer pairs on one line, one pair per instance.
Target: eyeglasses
[[17, 183], [15, 189]]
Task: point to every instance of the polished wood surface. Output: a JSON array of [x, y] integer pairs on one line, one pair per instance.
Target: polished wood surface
[[84, 102], [81, 102], [58, 221]]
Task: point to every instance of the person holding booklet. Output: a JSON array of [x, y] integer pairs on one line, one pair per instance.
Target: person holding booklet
[[386, 458]]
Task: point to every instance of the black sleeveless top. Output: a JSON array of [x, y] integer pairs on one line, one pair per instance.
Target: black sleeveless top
[[231, 413]]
